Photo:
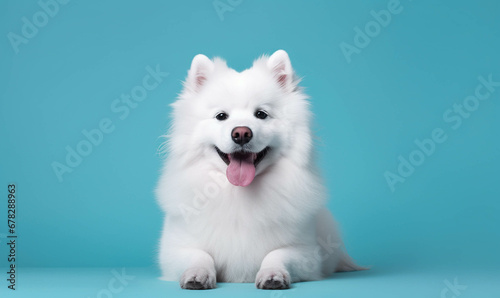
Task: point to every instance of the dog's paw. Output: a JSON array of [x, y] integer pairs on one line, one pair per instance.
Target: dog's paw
[[197, 279], [272, 279]]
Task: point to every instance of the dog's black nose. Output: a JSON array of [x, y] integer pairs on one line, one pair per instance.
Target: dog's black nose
[[241, 135]]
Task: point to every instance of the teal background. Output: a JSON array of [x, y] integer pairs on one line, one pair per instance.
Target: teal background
[[441, 223]]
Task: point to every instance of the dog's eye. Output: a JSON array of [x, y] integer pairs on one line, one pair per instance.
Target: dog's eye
[[221, 116], [261, 114]]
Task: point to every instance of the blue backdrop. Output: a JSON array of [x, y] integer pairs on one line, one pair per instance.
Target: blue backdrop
[[406, 97]]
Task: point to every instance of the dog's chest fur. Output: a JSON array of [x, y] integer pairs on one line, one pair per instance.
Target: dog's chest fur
[[240, 226]]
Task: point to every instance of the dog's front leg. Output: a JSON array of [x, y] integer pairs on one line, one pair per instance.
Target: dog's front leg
[[197, 268], [285, 265]]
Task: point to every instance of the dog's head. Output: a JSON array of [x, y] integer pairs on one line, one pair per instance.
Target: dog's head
[[242, 123]]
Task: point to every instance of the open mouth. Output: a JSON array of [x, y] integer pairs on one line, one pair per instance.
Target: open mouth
[[241, 165]]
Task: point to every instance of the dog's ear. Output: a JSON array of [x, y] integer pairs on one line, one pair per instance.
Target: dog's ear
[[281, 67], [200, 70]]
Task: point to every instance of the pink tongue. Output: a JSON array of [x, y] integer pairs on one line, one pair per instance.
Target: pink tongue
[[241, 170]]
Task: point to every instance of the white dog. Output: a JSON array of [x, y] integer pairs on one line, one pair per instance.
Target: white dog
[[242, 196]]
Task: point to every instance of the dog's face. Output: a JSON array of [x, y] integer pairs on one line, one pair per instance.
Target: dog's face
[[242, 123]]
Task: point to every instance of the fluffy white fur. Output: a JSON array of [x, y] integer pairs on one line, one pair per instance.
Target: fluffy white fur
[[274, 231]]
